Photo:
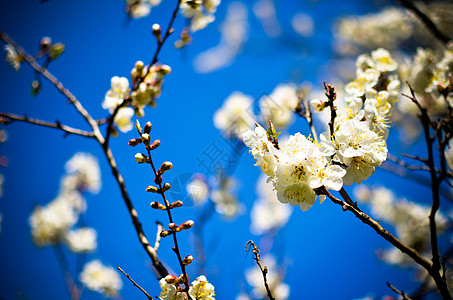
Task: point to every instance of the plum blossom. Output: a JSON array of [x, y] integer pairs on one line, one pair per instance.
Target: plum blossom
[[82, 240], [201, 289], [279, 106], [100, 278], [235, 117]]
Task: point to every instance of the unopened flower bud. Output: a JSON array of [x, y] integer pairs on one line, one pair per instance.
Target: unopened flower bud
[[187, 260], [137, 125], [134, 142], [186, 225], [56, 50], [181, 278], [165, 167], [166, 187], [141, 158], [156, 205], [152, 189], [157, 31], [44, 44], [171, 279], [172, 226], [175, 204], [155, 144], [164, 69], [148, 127], [165, 233], [139, 65]]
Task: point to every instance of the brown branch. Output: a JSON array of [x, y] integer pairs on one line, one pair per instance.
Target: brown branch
[[423, 262], [402, 294], [435, 187], [264, 269], [38, 68], [9, 118], [134, 215], [135, 284], [107, 151], [331, 96], [63, 262], [426, 20], [303, 110], [404, 164], [161, 191]]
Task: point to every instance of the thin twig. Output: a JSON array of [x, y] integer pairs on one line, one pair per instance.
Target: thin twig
[[64, 265], [426, 20], [303, 110], [402, 294], [264, 269], [72, 99], [9, 118], [404, 164], [135, 284]]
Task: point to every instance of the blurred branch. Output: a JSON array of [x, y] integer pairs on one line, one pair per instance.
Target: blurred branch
[[409, 4], [303, 110], [404, 164], [135, 284], [159, 230], [63, 262], [435, 185], [6, 118], [264, 269]]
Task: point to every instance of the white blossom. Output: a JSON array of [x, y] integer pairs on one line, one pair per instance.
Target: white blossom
[[226, 202], [50, 223], [82, 240], [267, 212], [100, 278], [169, 291], [118, 91], [201, 289], [236, 115], [198, 189], [279, 106], [85, 168]]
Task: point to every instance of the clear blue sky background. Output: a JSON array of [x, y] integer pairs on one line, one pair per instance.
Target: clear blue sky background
[[329, 254]]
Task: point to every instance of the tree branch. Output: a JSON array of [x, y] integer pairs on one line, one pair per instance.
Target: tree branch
[[426, 20], [135, 284], [9, 118], [264, 269]]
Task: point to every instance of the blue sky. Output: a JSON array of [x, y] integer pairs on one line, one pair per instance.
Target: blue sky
[[327, 252]]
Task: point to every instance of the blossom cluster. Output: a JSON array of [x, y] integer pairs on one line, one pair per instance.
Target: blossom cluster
[[148, 87], [200, 289], [140, 8], [236, 115], [100, 278], [52, 223], [384, 29], [349, 153], [199, 12]]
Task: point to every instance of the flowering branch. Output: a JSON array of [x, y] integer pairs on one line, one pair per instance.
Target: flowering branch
[[135, 284], [107, 151], [162, 188], [160, 43], [425, 20], [6, 118], [264, 269], [72, 99]]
